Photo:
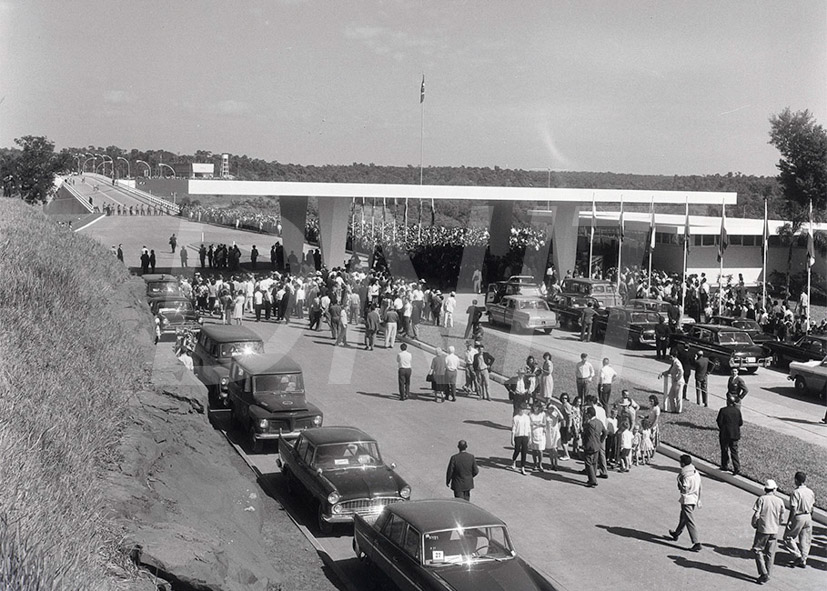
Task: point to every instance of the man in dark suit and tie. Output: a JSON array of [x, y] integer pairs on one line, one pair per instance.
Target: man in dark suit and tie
[[461, 471], [729, 433]]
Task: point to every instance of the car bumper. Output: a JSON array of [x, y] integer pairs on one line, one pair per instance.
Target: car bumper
[[269, 436], [749, 362], [647, 340], [367, 509]]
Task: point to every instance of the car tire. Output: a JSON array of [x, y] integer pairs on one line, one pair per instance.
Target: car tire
[[547, 330], [751, 370], [777, 359], [256, 445], [800, 385], [289, 481], [325, 527], [212, 396]]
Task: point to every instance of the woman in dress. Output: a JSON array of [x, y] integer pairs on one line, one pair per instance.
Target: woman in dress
[[438, 373], [238, 307], [546, 378], [565, 424], [537, 441], [652, 417], [553, 440]]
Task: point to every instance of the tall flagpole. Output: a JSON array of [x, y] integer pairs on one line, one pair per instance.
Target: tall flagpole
[[685, 250], [421, 147], [591, 240], [810, 263], [651, 238], [384, 209], [373, 219], [764, 261], [721, 249], [620, 244]]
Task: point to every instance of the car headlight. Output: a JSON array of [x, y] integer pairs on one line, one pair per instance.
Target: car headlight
[[333, 498], [317, 420], [225, 381], [337, 509], [405, 493], [263, 424]]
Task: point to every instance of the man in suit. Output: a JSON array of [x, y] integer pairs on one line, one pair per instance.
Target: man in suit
[[735, 387], [594, 437], [461, 471], [729, 433]]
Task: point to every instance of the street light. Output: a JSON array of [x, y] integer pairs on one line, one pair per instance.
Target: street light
[[128, 173], [148, 167], [92, 158], [160, 173]]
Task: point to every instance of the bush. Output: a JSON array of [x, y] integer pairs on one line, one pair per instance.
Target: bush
[[68, 364]]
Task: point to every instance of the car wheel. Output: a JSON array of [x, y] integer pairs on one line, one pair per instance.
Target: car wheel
[[212, 394], [547, 330], [777, 359], [289, 481], [324, 526], [256, 445], [800, 385], [751, 370]]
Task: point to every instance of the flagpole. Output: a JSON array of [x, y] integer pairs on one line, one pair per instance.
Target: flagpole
[[651, 241], [620, 244], [764, 261], [810, 263], [421, 147], [373, 219], [721, 263], [591, 240], [685, 251]]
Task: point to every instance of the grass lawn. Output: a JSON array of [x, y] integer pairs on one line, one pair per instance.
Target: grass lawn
[[764, 452]]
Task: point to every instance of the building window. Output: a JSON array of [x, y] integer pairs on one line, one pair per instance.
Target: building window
[[751, 240], [736, 240], [697, 240], [709, 239]]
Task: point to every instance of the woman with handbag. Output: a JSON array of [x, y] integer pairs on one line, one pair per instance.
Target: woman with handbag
[[437, 375]]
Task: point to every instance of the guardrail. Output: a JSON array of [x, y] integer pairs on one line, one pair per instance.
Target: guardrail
[[76, 194], [166, 206]]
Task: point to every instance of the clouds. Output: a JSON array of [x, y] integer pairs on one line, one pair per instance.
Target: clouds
[[229, 107], [118, 97], [385, 41]]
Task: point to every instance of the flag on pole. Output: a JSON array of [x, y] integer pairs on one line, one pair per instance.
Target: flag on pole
[[765, 243], [622, 228], [422, 91], [594, 215], [811, 247], [687, 234], [723, 240], [650, 240]]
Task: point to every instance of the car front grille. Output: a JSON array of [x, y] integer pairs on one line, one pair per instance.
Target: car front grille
[[365, 506]]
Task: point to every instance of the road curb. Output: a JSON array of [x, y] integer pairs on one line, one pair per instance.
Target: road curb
[[707, 468]]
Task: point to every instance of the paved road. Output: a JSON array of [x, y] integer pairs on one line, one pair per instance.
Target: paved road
[[577, 534]]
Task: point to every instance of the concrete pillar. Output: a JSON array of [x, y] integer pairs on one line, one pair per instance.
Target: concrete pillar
[[500, 228], [293, 219], [334, 213], [564, 237]]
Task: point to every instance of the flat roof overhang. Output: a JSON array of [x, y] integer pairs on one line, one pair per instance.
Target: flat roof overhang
[[350, 190]]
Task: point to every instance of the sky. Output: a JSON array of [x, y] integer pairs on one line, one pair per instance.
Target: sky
[[661, 87]]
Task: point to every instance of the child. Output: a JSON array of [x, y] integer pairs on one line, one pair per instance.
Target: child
[[647, 448], [625, 439], [611, 437], [636, 445]]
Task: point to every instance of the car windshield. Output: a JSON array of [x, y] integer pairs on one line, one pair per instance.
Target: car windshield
[[746, 325], [734, 338], [181, 306], [243, 348], [461, 545], [280, 382], [163, 288], [643, 317], [345, 455], [533, 305]]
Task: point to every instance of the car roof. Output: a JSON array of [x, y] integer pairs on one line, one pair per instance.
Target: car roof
[[223, 333], [325, 435], [519, 296], [648, 301], [154, 277], [520, 279], [267, 364], [441, 514], [719, 328], [816, 337]]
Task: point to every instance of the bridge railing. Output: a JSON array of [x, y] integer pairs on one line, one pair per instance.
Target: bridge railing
[[76, 194], [142, 196]]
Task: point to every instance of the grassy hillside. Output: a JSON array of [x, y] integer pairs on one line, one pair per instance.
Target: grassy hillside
[[66, 367]]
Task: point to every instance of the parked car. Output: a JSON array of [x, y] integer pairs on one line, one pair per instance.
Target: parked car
[[810, 377], [569, 309], [631, 326], [447, 544], [726, 347], [341, 470], [661, 307], [158, 284], [514, 285], [807, 348], [217, 345], [267, 397], [601, 290], [759, 337], [174, 313], [522, 313]]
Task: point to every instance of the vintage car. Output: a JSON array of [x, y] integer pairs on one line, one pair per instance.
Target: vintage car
[[726, 347], [215, 348], [522, 313], [174, 314], [342, 471], [514, 285], [807, 348], [601, 290], [158, 284], [810, 377], [659, 306], [756, 333], [266, 394], [631, 326], [569, 309], [447, 544]]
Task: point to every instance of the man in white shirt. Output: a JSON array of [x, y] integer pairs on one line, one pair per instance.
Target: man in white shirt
[[449, 305], [520, 433], [584, 373], [451, 368], [470, 376], [605, 377], [403, 369]]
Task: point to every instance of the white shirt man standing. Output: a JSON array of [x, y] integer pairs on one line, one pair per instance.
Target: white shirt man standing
[[605, 377]]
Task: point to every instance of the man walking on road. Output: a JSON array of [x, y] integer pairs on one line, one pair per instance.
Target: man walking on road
[[594, 437], [583, 372], [391, 322], [689, 485], [462, 468], [403, 368], [729, 433], [183, 254], [799, 533], [173, 242], [767, 516]]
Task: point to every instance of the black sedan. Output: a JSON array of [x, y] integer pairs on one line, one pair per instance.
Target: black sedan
[[807, 348], [756, 333], [631, 326], [446, 545], [724, 346], [342, 471]]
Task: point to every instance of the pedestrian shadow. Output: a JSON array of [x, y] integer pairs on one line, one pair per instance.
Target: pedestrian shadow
[[490, 424], [648, 391], [799, 421], [331, 342], [673, 469], [558, 476], [494, 462], [691, 425], [711, 568], [379, 395], [743, 553], [643, 536]]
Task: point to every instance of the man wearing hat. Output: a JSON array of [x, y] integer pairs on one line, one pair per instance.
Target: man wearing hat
[[767, 517]]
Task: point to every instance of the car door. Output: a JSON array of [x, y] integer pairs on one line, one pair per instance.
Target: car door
[[305, 452], [391, 557], [508, 311], [818, 380]]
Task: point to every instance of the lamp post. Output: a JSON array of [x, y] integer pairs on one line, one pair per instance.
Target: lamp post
[[160, 171], [78, 157], [148, 167], [92, 158], [110, 162], [128, 173]]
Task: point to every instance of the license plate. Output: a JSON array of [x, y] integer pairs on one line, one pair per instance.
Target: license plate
[[749, 359]]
